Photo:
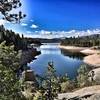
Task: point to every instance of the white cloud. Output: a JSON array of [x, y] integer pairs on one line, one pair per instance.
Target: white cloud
[[34, 26], [24, 24], [29, 32], [32, 20], [61, 34], [3, 22], [43, 32]]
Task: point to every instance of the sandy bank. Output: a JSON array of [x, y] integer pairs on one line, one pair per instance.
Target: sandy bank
[[90, 51], [72, 48], [94, 57], [93, 60]]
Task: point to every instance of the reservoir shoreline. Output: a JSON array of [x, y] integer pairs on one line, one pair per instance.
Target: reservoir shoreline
[[92, 56], [64, 62], [72, 48]]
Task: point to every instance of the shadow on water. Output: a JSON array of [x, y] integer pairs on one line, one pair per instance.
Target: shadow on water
[[74, 55]]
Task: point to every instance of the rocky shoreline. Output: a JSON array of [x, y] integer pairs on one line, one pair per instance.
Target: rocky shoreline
[[28, 56], [92, 55], [88, 93]]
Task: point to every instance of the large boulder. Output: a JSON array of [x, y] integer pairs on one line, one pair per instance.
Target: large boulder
[[95, 97], [97, 75], [93, 60], [28, 75], [87, 93], [29, 85]]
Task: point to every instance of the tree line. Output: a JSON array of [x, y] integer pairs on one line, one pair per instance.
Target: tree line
[[12, 38], [85, 41]]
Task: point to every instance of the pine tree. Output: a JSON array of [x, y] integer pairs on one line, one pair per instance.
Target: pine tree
[[50, 84], [83, 76], [9, 82]]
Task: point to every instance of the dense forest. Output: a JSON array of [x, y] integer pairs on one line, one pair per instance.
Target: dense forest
[[12, 38], [33, 41], [85, 41], [19, 42]]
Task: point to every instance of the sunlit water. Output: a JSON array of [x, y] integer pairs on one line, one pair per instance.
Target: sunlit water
[[64, 62]]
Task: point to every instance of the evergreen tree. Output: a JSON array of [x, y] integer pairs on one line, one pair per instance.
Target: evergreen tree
[[83, 76], [12, 38], [50, 84], [9, 82]]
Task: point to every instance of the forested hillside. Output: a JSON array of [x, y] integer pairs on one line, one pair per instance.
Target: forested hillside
[[12, 39], [85, 41]]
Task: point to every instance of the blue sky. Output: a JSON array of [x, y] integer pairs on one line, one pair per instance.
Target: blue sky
[[59, 15]]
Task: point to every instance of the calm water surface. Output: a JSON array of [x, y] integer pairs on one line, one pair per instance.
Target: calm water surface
[[64, 61]]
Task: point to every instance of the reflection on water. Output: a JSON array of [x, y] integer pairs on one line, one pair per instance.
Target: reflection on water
[[64, 62], [72, 54], [50, 48]]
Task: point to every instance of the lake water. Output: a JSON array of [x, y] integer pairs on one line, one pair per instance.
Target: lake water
[[64, 61]]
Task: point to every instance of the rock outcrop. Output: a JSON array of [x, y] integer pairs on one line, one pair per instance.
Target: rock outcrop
[[28, 75], [30, 83], [28, 56], [97, 75], [87, 93], [93, 60]]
